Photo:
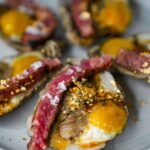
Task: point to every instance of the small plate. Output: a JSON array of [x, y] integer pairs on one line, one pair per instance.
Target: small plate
[[136, 136]]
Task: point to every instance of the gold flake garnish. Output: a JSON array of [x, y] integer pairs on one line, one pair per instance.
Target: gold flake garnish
[[31, 76], [23, 88], [2, 87], [87, 93], [145, 70], [6, 99], [144, 54], [145, 64], [17, 90], [3, 82], [7, 85], [12, 93]]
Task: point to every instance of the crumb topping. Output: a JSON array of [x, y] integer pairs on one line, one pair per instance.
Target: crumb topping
[[12, 88], [86, 93], [145, 68], [78, 103]]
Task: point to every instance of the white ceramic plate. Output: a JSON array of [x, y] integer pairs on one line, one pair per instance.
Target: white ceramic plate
[[13, 133]]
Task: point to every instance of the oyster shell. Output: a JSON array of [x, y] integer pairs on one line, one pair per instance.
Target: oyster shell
[[94, 13], [138, 43], [134, 63], [75, 121], [35, 32]]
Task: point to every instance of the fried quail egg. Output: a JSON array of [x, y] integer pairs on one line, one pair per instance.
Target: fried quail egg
[[22, 62], [17, 64], [115, 15], [105, 122], [13, 23], [113, 46], [104, 118]]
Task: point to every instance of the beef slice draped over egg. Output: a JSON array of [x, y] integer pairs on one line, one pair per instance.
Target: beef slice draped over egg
[[24, 79], [51, 98]]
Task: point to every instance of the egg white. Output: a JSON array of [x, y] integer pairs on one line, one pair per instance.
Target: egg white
[[92, 134], [95, 134]]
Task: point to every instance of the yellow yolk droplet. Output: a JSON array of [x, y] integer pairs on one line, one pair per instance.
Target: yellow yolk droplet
[[13, 23], [110, 117], [58, 142], [115, 15], [113, 46], [91, 145], [23, 62]]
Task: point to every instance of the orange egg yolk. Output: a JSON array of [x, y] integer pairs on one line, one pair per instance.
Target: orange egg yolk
[[14, 23], [110, 117], [113, 46], [23, 62], [58, 142], [91, 145], [116, 16]]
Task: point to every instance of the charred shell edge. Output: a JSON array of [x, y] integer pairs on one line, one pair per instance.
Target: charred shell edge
[[141, 39], [95, 51], [25, 96], [51, 48], [131, 73], [5, 70]]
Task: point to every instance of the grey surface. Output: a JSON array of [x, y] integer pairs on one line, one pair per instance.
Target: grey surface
[[136, 136]]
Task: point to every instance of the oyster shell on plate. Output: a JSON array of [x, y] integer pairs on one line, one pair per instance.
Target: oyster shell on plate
[[131, 54], [86, 21], [87, 116], [27, 26]]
